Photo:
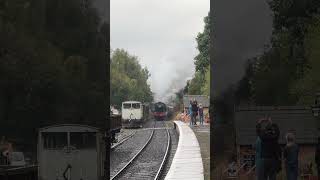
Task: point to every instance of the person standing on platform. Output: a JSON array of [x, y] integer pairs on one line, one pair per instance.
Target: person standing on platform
[[270, 149], [291, 153], [190, 113], [259, 167], [201, 114], [194, 112]]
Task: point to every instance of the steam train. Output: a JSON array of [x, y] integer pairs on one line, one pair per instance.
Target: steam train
[[170, 110], [160, 111]]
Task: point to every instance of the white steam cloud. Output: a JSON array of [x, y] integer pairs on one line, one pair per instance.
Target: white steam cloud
[[161, 33]]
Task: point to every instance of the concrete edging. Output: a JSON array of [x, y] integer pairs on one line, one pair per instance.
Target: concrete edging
[[187, 161]]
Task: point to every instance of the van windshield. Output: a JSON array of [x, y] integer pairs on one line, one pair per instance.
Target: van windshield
[[126, 106], [136, 105], [54, 140], [83, 140]]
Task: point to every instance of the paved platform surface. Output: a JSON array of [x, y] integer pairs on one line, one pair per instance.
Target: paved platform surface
[[187, 162], [202, 133]]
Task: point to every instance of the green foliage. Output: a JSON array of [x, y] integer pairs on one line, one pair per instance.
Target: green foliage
[[200, 84], [196, 84], [128, 79], [52, 65], [285, 74], [206, 87], [309, 85], [202, 60]]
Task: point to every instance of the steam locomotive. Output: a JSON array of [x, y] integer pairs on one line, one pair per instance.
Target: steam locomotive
[[160, 111]]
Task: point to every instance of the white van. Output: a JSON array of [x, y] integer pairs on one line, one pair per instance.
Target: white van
[[132, 114]]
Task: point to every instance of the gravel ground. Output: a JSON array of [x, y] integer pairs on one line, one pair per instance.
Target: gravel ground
[[124, 152], [203, 135], [148, 162], [124, 133]]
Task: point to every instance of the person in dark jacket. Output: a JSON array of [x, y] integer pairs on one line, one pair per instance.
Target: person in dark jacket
[[195, 111], [190, 113], [270, 150], [201, 114], [291, 153], [258, 160], [317, 158]]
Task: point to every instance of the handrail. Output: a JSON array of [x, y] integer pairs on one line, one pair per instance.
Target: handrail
[[250, 170], [237, 171], [241, 167]]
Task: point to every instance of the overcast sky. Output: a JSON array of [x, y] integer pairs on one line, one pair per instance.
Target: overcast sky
[[162, 34]]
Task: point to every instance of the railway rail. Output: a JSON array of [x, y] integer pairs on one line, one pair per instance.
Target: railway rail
[[124, 139], [149, 160]]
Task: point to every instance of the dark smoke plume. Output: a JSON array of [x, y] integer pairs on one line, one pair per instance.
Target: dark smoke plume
[[241, 29]]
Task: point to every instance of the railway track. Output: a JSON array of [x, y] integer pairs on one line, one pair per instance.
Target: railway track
[[149, 160], [124, 139]]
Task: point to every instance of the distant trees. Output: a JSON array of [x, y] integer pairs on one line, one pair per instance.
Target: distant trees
[[52, 65], [128, 79], [200, 84]]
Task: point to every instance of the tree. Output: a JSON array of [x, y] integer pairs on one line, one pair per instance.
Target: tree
[[128, 79], [288, 63], [309, 85], [52, 65], [200, 84], [202, 60]]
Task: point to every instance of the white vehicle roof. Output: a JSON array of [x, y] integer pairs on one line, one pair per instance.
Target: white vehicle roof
[[125, 102], [69, 128]]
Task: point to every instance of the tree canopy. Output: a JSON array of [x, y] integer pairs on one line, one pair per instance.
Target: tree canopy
[[53, 63], [128, 79], [200, 84], [286, 73]]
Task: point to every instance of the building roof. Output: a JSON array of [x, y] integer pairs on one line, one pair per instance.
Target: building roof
[[131, 102], [299, 120], [201, 99], [69, 128]]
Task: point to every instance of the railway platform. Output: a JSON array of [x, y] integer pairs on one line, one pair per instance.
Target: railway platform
[[187, 161]]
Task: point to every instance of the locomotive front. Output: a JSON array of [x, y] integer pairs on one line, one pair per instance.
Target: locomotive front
[[160, 111]]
